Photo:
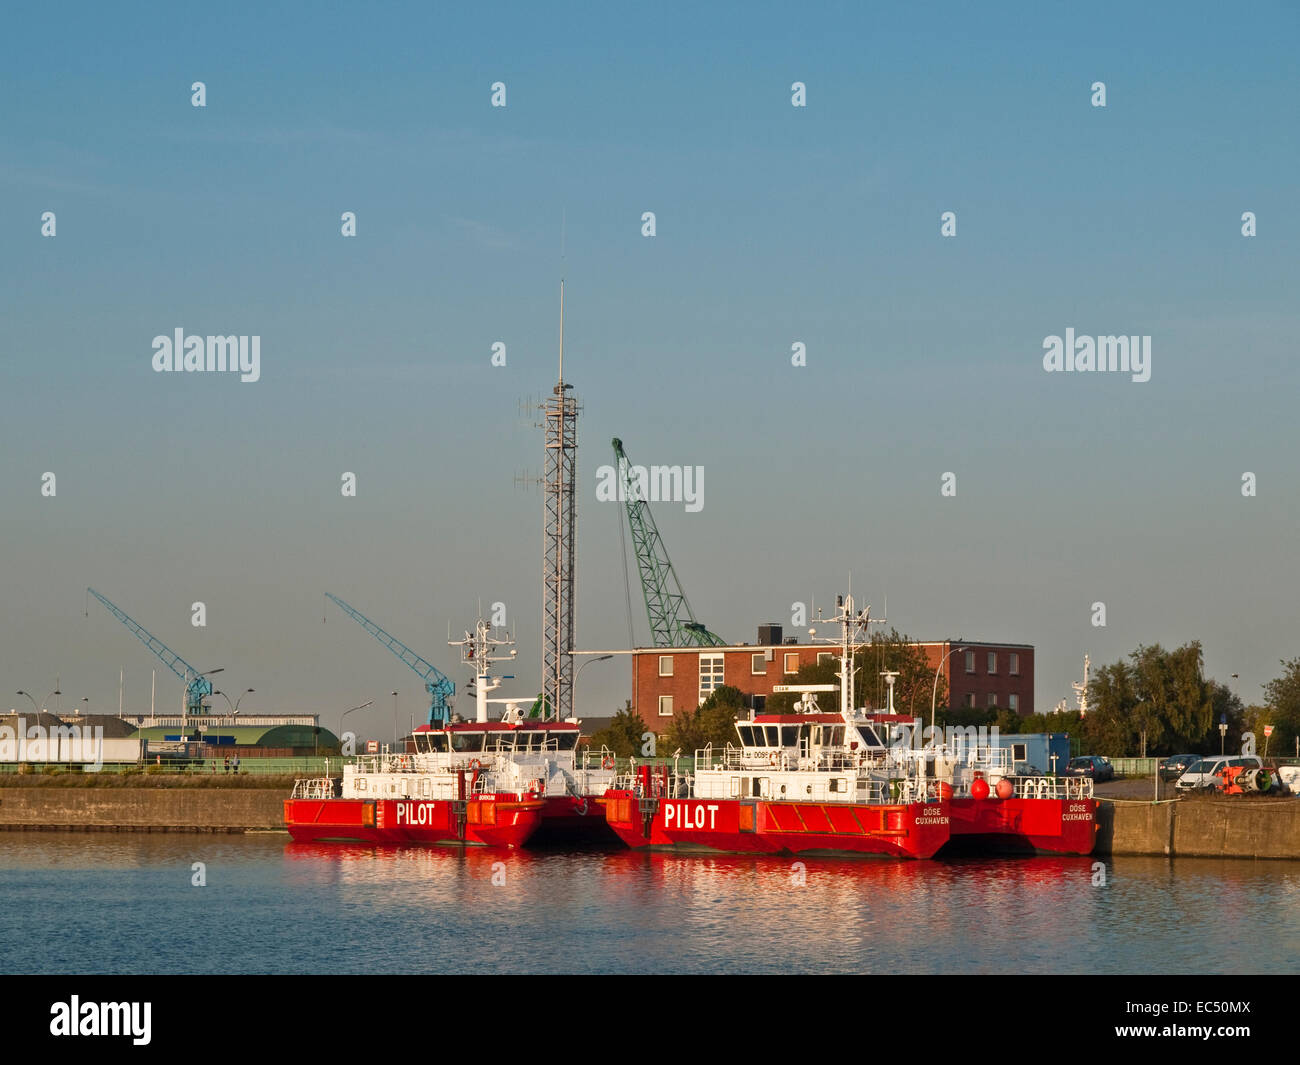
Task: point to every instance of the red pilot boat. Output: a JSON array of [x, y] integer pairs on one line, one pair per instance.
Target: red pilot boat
[[518, 753], [798, 784], [392, 798], [993, 810], [812, 781], [494, 783]]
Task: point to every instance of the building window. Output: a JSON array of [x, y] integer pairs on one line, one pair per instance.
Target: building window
[[665, 665], [665, 706], [993, 699], [1013, 701], [993, 662], [792, 663], [1014, 667], [970, 700], [758, 665], [710, 674], [1020, 752], [970, 661], [824, 657]]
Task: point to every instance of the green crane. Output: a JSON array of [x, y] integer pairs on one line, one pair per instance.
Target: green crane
[[672, 623]]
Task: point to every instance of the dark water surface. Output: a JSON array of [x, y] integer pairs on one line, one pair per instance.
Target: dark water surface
[[124, 903]]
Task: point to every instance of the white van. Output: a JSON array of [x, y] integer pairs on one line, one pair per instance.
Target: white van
[[1203, 774]]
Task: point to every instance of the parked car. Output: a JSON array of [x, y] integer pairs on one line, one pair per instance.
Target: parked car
[[1204, 773], [1096, 766], [1176, 765]]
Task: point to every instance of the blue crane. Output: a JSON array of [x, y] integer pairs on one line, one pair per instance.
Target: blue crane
[[439, 686], [197, 686]]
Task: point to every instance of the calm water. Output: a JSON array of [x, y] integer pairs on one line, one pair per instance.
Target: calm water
[[123, 903]]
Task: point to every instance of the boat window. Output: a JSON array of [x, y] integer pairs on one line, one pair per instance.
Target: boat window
[[464, 742], [789, 735], [437, 741], [566, 741], [870, 738], [501, 741], [773, 736], [746, 734]]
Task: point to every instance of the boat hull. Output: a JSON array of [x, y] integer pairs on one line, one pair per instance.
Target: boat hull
[[570, 819], [487, 820], [759, 826], [1022, 825]]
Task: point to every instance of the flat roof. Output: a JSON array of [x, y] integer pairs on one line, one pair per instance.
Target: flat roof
[[828, 648]]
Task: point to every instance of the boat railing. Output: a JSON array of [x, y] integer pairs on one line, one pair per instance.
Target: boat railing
[[662, 786], [1045, 787], [315, 788], [1053, 787]]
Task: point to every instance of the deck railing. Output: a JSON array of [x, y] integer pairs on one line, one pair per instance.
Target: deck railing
[[316, 788]]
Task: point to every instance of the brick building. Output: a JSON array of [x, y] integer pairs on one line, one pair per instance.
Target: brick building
[[669, 680]]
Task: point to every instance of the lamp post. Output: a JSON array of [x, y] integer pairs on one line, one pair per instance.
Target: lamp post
[[247, 691], [574, 689], [28, 694], [934, 694], [348, 711], [394, 721]]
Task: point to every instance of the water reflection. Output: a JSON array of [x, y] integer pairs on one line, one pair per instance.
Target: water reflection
[[128, 904]]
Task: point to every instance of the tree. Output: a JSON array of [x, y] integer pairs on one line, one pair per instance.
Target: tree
[[1224, 703], [1282, 700], [1158, 699], [712, 723], [896, 652], [914, 685], [624, 735]]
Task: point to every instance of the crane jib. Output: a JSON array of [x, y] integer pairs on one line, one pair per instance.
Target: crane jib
[[439, 686]]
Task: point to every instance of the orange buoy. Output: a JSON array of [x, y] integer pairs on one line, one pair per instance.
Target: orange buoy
[[1005, 788], [945, 790], [979, 788]]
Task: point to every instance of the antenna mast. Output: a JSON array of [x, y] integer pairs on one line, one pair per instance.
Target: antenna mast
[[559, 517]]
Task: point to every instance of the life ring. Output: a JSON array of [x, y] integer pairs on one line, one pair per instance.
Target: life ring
[[475, 764], [773, 758], [607, 762]]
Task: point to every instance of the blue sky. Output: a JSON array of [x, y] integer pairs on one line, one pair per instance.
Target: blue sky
[[775, 224]]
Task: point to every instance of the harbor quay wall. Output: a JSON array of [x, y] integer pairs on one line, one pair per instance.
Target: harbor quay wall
[[1201, 828], [143, 809], [1207, 828]]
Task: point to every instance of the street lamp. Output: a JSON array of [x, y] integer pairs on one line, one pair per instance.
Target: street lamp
[[247, 691], [573, 692], [394, 720], [934, 694], [348, 711], [28, 694]]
